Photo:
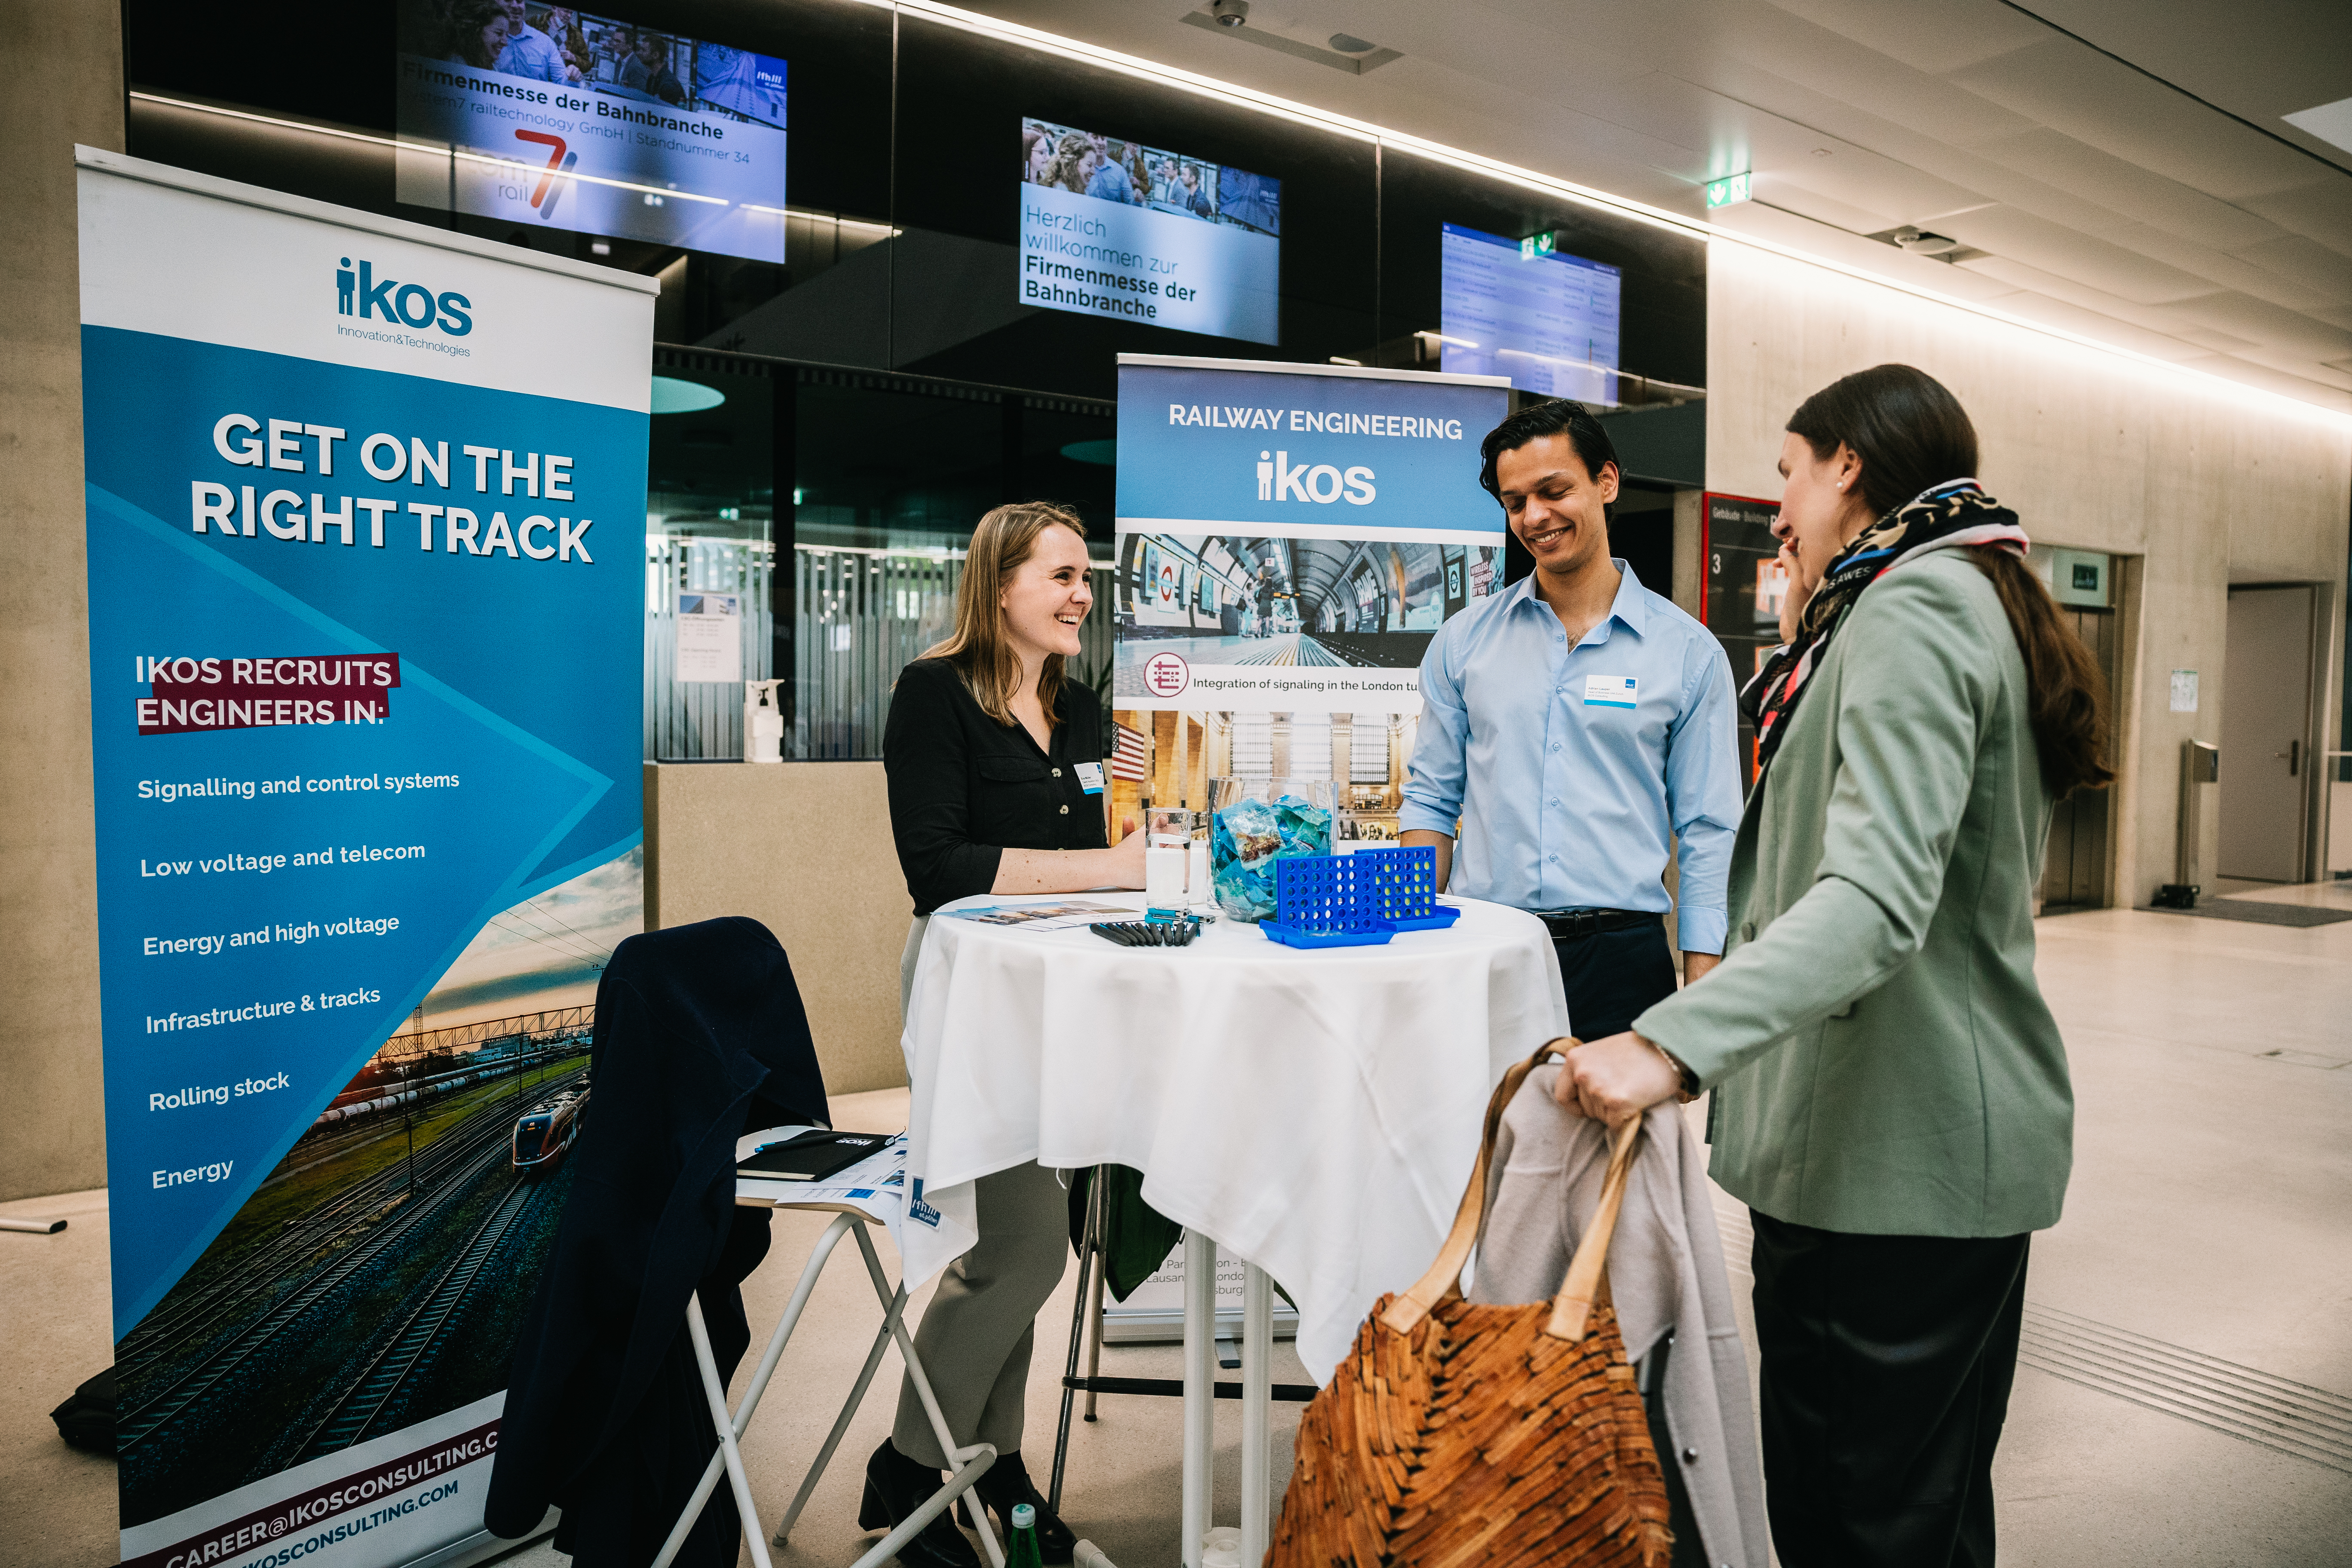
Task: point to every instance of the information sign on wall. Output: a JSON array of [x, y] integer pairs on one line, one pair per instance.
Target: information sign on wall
[[365, 681], [1742, 590]]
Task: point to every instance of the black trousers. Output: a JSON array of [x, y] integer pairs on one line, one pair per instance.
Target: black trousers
[[1610, 980], [1887, 1365], [1613, 977]]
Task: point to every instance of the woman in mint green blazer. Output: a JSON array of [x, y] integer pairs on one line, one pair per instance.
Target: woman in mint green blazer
[[1890, 1092]]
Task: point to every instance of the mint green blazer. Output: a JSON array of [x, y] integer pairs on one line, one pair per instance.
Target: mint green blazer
[[1880, 1056]]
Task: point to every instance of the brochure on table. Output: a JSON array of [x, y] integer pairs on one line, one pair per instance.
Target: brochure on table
[[365, 648]]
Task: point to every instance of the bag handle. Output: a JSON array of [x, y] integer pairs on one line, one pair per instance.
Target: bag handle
[[1585, 1280]]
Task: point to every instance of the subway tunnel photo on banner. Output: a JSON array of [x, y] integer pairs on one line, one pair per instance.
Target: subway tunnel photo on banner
[[1190, 604]]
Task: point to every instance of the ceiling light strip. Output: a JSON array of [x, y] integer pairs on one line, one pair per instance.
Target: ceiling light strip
[[1584, 195]]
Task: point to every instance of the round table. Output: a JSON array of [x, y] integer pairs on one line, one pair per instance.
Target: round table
[[1315, 1111]]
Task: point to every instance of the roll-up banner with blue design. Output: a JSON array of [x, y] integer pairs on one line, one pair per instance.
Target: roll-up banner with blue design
[[366, 532], [1291, 536]]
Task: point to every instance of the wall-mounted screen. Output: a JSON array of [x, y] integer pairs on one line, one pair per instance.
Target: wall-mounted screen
[[1547, 319], [1111, 227], [565, 120]]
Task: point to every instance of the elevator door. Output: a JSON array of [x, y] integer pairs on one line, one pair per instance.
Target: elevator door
[[2074, 864], [2265, 733]]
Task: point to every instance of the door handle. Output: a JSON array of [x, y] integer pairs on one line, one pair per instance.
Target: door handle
[[2293, 758]]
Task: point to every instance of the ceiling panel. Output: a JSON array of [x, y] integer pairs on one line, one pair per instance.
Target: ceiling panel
[[2265, 323], [2322, 210], [2119, 186], [2108, 104], [2259, 59], [2231, 271], [1935, 39], [2037, 242], [2327, 273]]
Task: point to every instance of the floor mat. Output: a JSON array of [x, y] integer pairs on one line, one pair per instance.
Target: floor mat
[[2261, 913]]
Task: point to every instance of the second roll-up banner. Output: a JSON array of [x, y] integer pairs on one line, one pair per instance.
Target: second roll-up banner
[[1290, 537], [365, 648]]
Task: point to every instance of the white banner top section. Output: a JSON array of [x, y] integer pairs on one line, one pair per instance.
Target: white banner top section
[[354, 289]]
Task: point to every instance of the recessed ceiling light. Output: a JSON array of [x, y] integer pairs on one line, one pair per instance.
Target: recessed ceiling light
[[2331, 122]]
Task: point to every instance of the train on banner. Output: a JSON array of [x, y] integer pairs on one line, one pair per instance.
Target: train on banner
[[1290, 537], [366, 716]]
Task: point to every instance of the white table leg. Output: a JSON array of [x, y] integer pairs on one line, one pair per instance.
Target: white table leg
[[1200, 1393], [1257, 1413]]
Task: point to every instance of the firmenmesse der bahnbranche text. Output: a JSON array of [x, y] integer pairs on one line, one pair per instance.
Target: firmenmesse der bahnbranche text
[[298, 447]]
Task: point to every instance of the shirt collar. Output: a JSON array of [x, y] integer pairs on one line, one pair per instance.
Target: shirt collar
[[1631, 606]]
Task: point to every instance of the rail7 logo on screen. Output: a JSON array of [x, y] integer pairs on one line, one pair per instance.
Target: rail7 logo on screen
[[565, 117]]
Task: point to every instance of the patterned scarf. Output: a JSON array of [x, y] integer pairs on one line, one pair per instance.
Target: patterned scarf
[[1957, 514]]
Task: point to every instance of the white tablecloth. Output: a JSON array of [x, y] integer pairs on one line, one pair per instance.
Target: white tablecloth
[[1316, 1112]]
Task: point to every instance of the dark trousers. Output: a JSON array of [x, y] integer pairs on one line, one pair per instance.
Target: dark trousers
[[1887, 1365], [1613, 977]]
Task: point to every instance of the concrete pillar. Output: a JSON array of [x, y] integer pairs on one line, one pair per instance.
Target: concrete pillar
[[65, 86]]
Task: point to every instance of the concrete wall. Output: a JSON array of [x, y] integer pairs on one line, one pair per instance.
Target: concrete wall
[[804, 848], [64, 85], [2205, 484]]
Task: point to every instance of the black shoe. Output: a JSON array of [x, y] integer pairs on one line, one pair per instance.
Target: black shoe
[[896, 1485], [1004, 1485]]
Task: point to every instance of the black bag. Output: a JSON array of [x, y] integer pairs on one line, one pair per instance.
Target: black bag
[[86, 1420]]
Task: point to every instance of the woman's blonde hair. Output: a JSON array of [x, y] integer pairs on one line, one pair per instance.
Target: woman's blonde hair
[[1005, 538]]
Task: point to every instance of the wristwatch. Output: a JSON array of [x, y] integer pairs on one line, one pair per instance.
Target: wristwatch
[[1683, 1075]]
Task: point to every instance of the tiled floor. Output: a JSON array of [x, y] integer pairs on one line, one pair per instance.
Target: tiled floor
[[2186, 1398]]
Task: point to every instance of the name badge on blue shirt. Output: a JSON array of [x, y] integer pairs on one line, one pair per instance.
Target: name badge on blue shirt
[[1609, 690], [1090, 777]]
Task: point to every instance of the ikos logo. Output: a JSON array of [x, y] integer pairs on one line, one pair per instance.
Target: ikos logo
[[412, 305], [1321, 483]]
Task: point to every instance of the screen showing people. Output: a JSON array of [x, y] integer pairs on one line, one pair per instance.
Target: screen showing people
[[563, 119], [1112, 228], [1518, 308]]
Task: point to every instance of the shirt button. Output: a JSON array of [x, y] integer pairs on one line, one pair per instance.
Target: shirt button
[[1690, 1456], [1058, 773], [1065, 811]]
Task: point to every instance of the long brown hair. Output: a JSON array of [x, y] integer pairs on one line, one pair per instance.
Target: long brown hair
[[1912, 434], [1006, 537]]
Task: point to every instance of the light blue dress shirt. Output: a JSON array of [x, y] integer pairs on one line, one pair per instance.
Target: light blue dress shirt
[[1566, 782]]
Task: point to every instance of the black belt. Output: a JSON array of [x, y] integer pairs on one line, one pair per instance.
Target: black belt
[[1575, 925]]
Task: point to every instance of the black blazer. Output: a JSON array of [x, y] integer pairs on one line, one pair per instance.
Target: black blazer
[[964, 788], [700, 1037]]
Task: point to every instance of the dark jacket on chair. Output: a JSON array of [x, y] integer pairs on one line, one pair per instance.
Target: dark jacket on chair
[[700, 1036]]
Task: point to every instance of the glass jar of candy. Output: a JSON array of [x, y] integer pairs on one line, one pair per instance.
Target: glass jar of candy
[[1253, 823]]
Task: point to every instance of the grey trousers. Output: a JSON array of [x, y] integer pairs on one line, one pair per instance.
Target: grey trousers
[[976, 1335]]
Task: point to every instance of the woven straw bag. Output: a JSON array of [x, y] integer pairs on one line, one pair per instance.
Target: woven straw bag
[[1458, 1436]]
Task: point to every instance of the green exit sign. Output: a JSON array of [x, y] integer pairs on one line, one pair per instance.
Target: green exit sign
[[1537, 245], [1730, 190]]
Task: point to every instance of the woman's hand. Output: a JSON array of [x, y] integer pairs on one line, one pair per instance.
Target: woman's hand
[[1796, 592], [1615, 1079], [1127, 857]]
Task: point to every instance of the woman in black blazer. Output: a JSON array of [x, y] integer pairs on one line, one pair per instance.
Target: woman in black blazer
[[996, 764]]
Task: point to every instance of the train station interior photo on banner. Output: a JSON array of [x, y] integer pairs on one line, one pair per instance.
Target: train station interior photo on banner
[[1234, 784]]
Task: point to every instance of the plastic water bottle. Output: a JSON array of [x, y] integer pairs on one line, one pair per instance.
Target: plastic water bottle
[[1022, 1550]]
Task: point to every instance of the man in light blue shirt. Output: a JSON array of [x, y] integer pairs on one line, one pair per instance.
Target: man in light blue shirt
[[1575, 725], [1111, 182], [529, 52]]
